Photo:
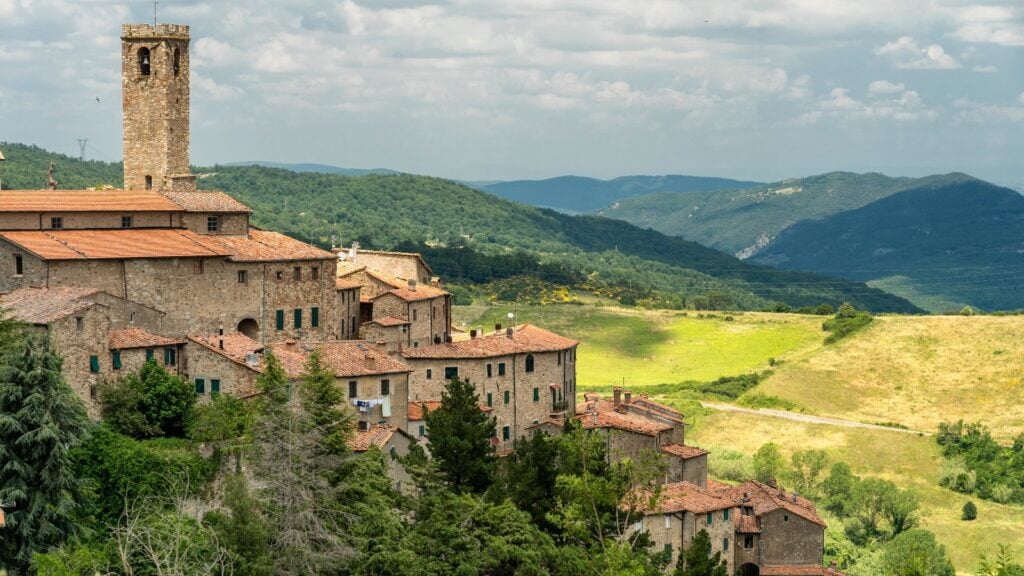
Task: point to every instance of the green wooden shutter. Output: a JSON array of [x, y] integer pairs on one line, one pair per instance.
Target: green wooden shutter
[[505, 434], [298, 318], [490, 401], [149, 354], [94, 364], [117, 359], [421, 431], [536, 394], [214, 386], [200, 386], [506, 396], [280, 319], [314, 317], [170, 357]]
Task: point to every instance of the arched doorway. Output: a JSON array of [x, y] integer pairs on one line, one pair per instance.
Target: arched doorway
[[749, 570], [250, 328]]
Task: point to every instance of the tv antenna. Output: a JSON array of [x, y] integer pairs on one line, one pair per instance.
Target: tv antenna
[[154, 12], [82, 142]]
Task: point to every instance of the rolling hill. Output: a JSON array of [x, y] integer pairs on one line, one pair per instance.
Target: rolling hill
[[384, 211], [323, 168], [577, 194]]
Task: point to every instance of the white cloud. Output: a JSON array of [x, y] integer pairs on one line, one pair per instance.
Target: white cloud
[[843, 108], [905, 53], [1003, 25], [884, 87], [985, 69], [984, 112]]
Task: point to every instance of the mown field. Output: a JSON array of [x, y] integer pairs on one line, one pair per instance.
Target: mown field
[[644, 347], [915, 371]]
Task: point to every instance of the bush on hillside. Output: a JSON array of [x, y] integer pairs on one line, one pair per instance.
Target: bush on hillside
[[847, 321], [970, 511]]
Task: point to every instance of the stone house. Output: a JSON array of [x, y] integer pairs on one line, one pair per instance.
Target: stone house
[[525, 374], [417, 426], [393, 442], [130, 348], [348, 309], [402, 265]]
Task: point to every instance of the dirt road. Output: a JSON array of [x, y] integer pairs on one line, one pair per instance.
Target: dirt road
[[808, 418]]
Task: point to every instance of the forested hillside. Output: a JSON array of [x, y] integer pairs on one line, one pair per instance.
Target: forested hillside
[[384, 211], [579, 194]]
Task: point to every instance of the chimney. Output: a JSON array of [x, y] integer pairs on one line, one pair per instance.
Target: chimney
[[508, 332], [435, 281], [629, 396], [364, 426], [497, 327], [412, 285], [616, 395], [221, 343], [472, 334], [371, 361]]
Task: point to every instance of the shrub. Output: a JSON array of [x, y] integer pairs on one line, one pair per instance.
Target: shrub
[[151, 403], [1002, 493], [970, 511], [730, 465], [846, 322]]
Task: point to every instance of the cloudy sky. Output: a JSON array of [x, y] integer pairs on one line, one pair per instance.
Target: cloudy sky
[[487, 89]]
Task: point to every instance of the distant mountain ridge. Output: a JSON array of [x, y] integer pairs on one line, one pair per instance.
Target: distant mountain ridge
[[581, 194], [312, 167]]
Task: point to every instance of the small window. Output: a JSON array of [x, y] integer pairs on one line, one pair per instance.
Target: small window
[[149, 354], [506, 396], [785, 518], [725, 544], [314, 317], [489, 371], [200, 386], [144, 63], [353, 388], [422, 430], [94, 364], [243, 277], [385, 387], [506, 433], [279, 275], [748, 541], [725, 514], [536, 394], [56, 222], [214, 386], [170, 357], [559, 358], [314, 273], [451, 372], [213, 223], [126, 221], [19, 265], [430, 373], [710, 518], [668, 520], [149, 182], [490, 400], [414, 315], [501, 368], [116, 359], [298, 318], [176, 66], [529, 362], [279, 319], [199, 266], [79, 324], [297, 273]]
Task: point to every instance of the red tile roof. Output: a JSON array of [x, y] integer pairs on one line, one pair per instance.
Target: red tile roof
[[627, 422], [683, 451], [340, 284], [748, 525], [241, 349], [139, 338], [525, 338], [85, 201], [378, 435], [684, 496], [45, 305], [764, 499], [264, 246], [112, 244], [420, 293], [207, 201], [388, 321], [348, 358]]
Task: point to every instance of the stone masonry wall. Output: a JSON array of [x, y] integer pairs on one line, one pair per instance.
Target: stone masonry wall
[[369, 388], [347, 302], [228, 224], [90, 220], [235, 379], [75, 341], [33, 269], [790, 542], [719, 530]]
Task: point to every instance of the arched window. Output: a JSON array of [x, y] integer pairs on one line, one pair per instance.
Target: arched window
[[144, 61], [177, 61], [529, 362]]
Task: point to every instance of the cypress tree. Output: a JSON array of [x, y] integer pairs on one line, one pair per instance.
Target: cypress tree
[[698, 560], [459, 438], [41, 420]]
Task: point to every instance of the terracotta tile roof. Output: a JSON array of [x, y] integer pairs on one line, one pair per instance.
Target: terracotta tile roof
[[388, 321], [264, 246], [207, 201], [747, 525], [627, 422], [715, 487], [639, 404], [420, 293], [764, 499], [684, 496], [247, 352], [378, 435], [138, 338], [85, 201], [416, 409], [358, 358], [340, 284], [112, 244], [348, 269], [683, 451], [526, 338], [45, 305], [388, 279], [793, 571]]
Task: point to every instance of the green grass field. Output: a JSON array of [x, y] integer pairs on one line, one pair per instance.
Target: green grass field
[[644, 347]]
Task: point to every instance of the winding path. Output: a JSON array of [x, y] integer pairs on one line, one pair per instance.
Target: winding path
[[806, 418]]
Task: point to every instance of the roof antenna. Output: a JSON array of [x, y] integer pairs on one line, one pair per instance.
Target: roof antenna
[[154, 13]]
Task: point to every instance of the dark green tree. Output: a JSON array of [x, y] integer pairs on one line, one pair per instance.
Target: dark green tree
[[153, 402], [768, 463], [530, 474], [698, 560], [970, 511], [837, 489], [242, 530], [41, 420], [324, 403], [916, 553], [459, 438]]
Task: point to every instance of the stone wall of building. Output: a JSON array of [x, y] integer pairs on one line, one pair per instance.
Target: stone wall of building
[[694, 470], [369, 388], [393, 337], [235, 379], [77, 338], [665, 530], [227, 224], [87, 220], [788, 539], [743, 555], [347, 302], [720, 530], [400, 266], [33, 269], [282, 292]]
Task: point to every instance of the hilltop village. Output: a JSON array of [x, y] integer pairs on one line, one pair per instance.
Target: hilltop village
[[161, 271]]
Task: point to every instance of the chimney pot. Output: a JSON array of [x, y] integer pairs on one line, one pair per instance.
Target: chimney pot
[[221, 344], [628, 397], [616, 395], [472, 333], [412, 285], [497, 327], [508, 332]]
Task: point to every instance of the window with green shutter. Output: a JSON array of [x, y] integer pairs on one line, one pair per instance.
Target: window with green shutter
[[214, 386], [505, 433], [725, 514], [298, 318], [506, 396], [422, 431], [501, 368], [536, 394], [314, 317], [490, 400], [94, 364], [116, 355], [710, 517], [200, 386], [149, 354], [279, 319], [170, 357]]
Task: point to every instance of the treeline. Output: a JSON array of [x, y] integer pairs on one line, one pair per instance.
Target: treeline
[[975, 463]]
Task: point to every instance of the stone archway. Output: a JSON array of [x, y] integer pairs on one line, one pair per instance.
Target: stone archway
[[749, 570], [250, 328]]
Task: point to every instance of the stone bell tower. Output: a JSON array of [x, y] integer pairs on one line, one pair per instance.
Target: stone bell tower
[[155, 101]]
